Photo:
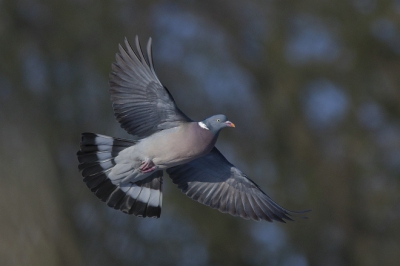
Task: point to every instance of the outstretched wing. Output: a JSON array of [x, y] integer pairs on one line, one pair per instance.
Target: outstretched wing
[[212, 180], [142, 105]]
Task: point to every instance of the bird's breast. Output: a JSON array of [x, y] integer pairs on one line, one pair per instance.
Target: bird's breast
[[179, 145]]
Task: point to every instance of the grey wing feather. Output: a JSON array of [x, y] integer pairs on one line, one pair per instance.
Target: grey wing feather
[[212, 180], [142, 105]]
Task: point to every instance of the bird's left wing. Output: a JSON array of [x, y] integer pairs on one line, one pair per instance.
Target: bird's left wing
[[212, 180], [141, 103]]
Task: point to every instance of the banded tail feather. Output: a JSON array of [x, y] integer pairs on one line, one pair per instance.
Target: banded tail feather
[[96, 159]]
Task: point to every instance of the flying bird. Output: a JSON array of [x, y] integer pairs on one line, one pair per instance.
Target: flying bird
[[128, 174]]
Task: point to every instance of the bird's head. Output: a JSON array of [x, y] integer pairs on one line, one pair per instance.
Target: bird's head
[[215, 123]]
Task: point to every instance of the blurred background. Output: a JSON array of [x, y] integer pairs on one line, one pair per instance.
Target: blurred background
[[312, 86]]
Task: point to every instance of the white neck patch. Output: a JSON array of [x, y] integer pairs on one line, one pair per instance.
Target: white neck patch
[[202, 125]]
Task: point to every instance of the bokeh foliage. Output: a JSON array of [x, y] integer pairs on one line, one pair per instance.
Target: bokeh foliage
[[313, 87]]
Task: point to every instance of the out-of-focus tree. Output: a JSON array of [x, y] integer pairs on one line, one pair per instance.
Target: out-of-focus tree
[[313, 86]]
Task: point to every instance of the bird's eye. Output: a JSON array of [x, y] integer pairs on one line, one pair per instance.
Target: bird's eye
[[218, 120]]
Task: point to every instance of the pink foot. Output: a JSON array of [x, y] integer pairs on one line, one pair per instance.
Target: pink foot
[[147, 166]]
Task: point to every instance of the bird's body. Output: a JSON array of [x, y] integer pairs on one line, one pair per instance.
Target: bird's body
[[127, 174], [180, 142]]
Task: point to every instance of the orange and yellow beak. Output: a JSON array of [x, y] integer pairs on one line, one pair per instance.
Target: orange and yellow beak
[[230, 124]]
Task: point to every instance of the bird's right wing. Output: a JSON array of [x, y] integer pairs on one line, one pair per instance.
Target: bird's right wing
[[142, 105], [212, 180]]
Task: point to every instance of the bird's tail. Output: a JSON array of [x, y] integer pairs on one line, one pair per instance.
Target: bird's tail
[[96, 160]]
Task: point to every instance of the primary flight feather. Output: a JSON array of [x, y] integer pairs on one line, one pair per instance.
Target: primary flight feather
[[128, 174]]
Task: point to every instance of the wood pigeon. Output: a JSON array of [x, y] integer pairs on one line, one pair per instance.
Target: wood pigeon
[[128, 174]]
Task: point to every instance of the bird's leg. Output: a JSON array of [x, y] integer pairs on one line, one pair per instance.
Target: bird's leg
[[147, 166]]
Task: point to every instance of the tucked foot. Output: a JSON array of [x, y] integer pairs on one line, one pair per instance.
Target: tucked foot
[[147, 166]]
